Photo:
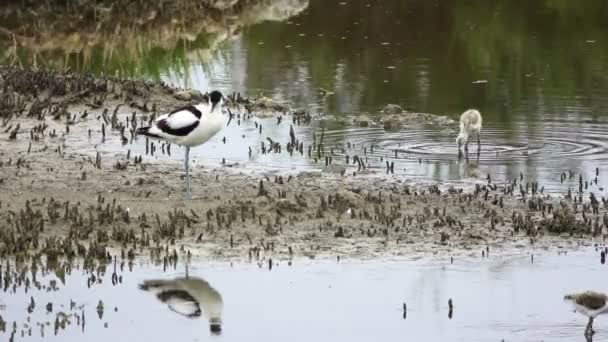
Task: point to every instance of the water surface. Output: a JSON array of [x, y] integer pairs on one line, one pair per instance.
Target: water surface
[[501, 297], [536, 70]]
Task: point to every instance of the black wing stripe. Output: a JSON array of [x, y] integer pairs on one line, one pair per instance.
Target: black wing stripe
[[190, 109], [183, 296], [163, 125], [179, 294]]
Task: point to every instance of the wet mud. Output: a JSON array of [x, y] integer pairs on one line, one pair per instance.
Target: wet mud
[[63, 201]]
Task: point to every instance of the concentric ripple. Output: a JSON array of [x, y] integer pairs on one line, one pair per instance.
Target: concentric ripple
[[498, 146]]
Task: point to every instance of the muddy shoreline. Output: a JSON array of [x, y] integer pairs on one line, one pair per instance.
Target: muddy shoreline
[[60, 201]]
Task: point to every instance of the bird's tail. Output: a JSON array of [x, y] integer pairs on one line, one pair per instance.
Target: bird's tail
[[146, 131], [153, 285]]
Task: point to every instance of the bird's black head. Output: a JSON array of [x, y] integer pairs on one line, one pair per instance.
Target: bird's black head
[[215, 96], [215, 328], [216, 99]]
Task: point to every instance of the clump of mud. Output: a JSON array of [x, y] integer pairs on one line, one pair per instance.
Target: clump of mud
[[394, 118], [38, 93], [265, 107]]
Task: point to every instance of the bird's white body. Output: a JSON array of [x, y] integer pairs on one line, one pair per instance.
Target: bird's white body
[[210, 127], [189, 126], [470, 123], [590, 312], [204, 297], [210, 123]]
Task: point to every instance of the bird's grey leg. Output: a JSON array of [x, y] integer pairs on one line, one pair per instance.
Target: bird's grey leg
[[478, 142], [589, 329], [186, 164]]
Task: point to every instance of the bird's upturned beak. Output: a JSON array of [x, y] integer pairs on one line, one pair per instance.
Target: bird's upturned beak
[[230, 116]]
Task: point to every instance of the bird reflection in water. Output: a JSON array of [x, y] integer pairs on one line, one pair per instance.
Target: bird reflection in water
[[189, 296]]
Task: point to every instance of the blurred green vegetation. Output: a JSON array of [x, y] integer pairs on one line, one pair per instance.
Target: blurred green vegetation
[[151, 62], [439, 49], [126, 38], [424, 55]]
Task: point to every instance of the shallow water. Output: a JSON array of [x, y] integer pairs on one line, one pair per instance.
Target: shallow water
[[536, 74], [425, 155], [543, 95], [501, 297]]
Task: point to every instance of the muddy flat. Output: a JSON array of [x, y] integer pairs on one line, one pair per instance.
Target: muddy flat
[[58, 182]]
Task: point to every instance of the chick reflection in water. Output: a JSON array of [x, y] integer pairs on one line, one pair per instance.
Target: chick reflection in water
[[190, 297]]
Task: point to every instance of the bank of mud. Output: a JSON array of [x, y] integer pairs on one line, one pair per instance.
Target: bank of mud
[[61, 201]]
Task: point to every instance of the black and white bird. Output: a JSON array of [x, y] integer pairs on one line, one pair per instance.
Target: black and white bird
[[189, 126], [190, 297], [590, 304]]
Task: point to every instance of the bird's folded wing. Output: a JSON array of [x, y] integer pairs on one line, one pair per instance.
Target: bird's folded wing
[[179, 123], [593, 301]]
